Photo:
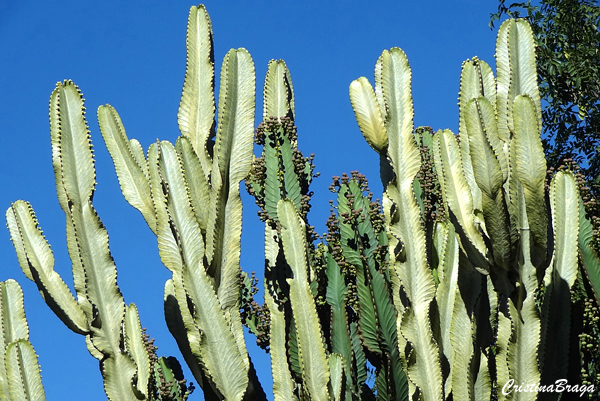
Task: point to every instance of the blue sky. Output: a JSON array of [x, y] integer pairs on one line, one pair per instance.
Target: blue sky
[[132, 55]]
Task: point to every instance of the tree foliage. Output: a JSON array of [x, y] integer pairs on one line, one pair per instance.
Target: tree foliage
[[567, 36]]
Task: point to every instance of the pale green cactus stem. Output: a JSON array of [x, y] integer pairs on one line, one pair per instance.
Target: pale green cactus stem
[[492, 249], [94, 273], [189, 196], [20, 377]]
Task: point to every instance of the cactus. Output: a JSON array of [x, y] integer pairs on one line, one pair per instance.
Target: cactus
[[113, 331], [474, 265], [495, 296], [20, 377], [189, 195]]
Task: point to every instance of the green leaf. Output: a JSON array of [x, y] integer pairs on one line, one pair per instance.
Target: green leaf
[[336, 292]]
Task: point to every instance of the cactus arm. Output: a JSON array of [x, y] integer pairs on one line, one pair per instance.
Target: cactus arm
[[336, 291], [37, 262], [455, 324], [560, 277], [74, 159], [407, 239], [196, 115], [178, 320], [515, 63], [337, 374], [589, 257], [198, 187], [524, 345], [218, 348], [396, 90], [136, 347], [130, 163], [236, 124], [13, 326], [488, 174], [20, 377], [283, 385], [183, 254], [23, 372], [455, 191], [530, 167], [88, 239], [233, 143], [476, 79], [368, 115], [313, 359], [503, 335], [278, 93], [482, 389], [186, 230]]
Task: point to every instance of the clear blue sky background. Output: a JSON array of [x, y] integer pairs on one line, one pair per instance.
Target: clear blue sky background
[[132, 55]]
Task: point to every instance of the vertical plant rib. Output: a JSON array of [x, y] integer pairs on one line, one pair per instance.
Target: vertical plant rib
[[278, 93], [559, 279], [403, 215], [196, 115], [130, 164], [455, 191], [23, 372], [530, 166], [313, 359], [367, 113], [37, 262], [476, 80], [13, 326], [283, 384]]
